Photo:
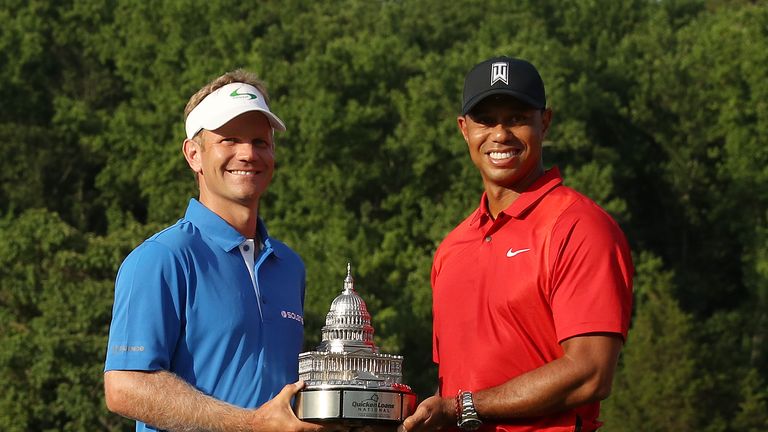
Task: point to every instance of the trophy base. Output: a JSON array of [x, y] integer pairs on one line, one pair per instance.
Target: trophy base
[[353, 406]]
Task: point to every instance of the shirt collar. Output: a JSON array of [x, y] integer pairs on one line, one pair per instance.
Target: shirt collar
[[525, 201], [218, 230]]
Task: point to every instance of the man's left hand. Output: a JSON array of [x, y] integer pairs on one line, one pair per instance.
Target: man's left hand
[[434, 413]]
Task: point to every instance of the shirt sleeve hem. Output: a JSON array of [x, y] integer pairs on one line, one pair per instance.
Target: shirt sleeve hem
[[589, 328]]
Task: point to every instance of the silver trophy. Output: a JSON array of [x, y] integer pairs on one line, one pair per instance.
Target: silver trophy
[[347, 380]]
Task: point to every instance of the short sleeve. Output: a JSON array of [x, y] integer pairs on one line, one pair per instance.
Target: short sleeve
[[435, 341], [146, 316], [590, 274]]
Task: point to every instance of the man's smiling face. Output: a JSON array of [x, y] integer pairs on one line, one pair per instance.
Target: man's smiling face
[[236, 162], [504, 137]]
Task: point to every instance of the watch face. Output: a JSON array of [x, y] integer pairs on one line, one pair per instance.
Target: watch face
[[470, 424]]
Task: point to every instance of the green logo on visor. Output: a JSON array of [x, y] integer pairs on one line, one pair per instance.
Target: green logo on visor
[[249, 95]]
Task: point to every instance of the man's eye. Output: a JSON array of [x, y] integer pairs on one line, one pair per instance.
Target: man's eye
[[519, 120]]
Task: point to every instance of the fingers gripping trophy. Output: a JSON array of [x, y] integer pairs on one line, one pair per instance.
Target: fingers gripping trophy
[[348, 382]]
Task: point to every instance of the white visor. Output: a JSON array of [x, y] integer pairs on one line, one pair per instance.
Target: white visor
[[226, 103]]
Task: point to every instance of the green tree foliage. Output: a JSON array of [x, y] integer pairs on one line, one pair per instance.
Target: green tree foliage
[[660, 116], [54, 92], [752, 415], [56, 297], [657, 388]]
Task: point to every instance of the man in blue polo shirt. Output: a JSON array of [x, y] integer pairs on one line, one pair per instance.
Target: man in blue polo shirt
[[207, 322]]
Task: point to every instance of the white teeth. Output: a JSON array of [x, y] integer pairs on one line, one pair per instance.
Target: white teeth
[[503, 155], [238, 172]]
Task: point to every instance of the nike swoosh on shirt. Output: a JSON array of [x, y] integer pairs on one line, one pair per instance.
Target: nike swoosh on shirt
[[511, 253]]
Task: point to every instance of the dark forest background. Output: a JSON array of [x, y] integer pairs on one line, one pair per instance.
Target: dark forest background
[[661, 116]]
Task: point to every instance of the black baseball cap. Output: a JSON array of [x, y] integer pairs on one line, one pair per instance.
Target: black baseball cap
[[503, 75]]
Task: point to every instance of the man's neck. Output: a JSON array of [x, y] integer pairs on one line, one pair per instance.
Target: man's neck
[[242, 218], [498, 199], [501, 197]]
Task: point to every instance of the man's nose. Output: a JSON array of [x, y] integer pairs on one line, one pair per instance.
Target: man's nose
[[246, 151], [501, 133]]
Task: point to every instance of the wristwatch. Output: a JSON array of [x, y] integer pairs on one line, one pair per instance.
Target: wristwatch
[[466, 414]]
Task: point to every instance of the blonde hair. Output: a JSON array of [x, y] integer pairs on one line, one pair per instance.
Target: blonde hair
[[237, 75]]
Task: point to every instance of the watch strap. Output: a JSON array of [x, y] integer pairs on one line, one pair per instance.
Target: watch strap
[[466, 414]]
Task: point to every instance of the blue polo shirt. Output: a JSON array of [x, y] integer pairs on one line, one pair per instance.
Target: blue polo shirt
[[187, 302]]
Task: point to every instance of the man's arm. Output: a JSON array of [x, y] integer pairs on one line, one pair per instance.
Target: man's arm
[[167, 402], [584, 374]]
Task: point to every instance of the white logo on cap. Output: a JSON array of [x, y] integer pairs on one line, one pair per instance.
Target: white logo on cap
[[499, 72]]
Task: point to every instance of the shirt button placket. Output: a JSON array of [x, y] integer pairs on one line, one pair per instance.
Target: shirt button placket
[[487, 239]]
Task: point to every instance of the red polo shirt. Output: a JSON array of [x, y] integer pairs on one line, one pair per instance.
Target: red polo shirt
[[506, 292]]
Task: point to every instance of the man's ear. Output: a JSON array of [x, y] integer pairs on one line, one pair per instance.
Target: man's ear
[[192, 150], [462, 122], [546, 118]]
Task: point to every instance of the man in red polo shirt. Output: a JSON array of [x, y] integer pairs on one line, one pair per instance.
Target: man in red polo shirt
[[532, 292]]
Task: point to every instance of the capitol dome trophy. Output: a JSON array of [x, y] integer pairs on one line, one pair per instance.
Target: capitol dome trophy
[[348, 382]]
